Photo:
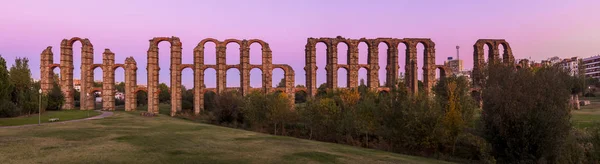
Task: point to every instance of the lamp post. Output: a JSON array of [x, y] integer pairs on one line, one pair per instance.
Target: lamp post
[[40, 108], [87, 96]]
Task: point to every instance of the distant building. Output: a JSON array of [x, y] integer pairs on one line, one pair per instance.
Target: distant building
[[592, 66], [77, 85], [570, 64], [455, 66]]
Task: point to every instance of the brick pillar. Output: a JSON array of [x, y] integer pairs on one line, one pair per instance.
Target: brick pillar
[[175, 75], [392, 66], [108, 80], [198, 79], [429, 67], [493, 53], [352, 74], [153, 72], [289, 84], [46, 72], [478, 61], [87, 75], [373, 61], [66, 74], [245, 67], [267, 68], [221, 68], [310, 67], [332, 65], [130, 84], [412, 77]]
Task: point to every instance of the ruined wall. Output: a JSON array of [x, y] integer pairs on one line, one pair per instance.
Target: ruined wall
[[87, 67], [332, 66], [352, 66]]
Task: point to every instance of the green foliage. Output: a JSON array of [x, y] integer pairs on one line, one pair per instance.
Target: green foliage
[[525, 114], [164, 96], [300, 97], [6, 85], [209, 101], [281, 83], [269, 111], [187, 99], [120, 87], [55, 98], [319, 116], [228, 108], [9, 109], [142, 98]]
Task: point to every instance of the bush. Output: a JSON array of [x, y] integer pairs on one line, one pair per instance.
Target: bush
[[55, 98], [525, 114], [9, 109], [228, 108]]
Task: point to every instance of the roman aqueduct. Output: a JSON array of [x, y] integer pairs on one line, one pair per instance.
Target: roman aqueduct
[[352, 67]]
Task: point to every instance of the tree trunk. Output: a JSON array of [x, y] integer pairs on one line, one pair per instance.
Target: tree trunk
[[275, 133]]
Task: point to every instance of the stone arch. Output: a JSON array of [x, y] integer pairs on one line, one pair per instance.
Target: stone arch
[[229, 74], [493, 56], [153, 71], [231, 60], [253, 73], [363, 74], [404, 56], [344, 71], [443, 72], [67, 67], [383, 64]]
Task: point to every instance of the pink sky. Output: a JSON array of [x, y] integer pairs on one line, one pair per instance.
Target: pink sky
[[534, 28]]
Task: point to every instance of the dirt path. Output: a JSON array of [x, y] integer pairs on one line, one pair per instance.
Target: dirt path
[[104, 114]]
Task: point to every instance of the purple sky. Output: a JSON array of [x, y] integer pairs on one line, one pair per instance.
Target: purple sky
[[534, 28]]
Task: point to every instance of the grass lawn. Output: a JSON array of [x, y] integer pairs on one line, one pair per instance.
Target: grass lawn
[[62, 115], [588, 115], [127, 137]]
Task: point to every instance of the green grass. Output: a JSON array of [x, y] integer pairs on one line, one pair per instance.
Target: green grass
[[127, 137], [63, 115], [588, 115]]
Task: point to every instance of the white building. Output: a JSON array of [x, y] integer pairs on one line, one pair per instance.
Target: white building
[[592, 66], [571, 64]]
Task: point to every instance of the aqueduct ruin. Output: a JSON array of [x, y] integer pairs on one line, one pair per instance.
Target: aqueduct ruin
[[198, 66]]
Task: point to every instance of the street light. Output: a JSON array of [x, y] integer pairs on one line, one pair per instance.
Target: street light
[[87, 97], [40, 108]]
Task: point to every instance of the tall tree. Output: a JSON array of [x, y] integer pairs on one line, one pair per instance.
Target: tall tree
[[164, 96], [23, 94], [120, 87], [6, 86]]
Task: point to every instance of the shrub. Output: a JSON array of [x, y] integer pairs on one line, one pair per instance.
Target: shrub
[[55, 98], [525, 114], [9, 109], [228, 108]]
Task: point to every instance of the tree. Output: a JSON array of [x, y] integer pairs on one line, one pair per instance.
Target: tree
[[120, 87], [228, 107], [525, 113], [281, 83], [319, 115], [142, 98], [23, 94], [164, 96], [278, 110], [55, 98], [6, 85], [453, 121], [7, 107]]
